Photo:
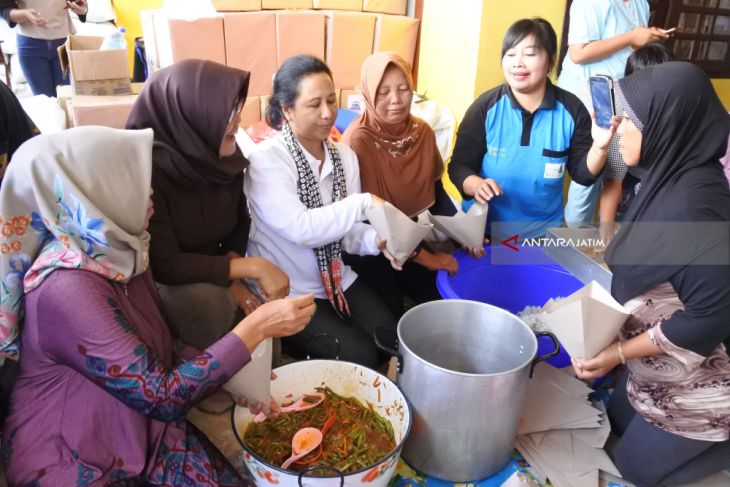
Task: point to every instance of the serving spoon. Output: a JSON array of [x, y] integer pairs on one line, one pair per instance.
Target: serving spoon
[[302, 444]]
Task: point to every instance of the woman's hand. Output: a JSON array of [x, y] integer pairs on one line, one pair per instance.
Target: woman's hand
[[436, 262], [487, 190], [279, 318], [477, 252], [381, 243], [258, 407], [601, 136], [645, 35], [273, 281], [78, 7], [246, 300], [27, 15], [598, 366]]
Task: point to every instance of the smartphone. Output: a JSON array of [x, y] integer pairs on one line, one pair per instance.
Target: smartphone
[[602, 96]]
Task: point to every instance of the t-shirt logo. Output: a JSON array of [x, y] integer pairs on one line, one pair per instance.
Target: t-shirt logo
[[554, 170], [494, 151]]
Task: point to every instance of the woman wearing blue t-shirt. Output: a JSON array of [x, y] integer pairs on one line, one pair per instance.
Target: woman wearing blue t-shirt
[[517, 140]]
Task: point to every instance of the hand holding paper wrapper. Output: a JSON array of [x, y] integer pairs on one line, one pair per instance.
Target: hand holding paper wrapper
[[402, 235], [585, 322]]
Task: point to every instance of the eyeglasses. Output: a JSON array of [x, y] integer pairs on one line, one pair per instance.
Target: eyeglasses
[[236, 109]]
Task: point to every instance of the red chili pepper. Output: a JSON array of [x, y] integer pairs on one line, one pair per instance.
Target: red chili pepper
[[328, 424]]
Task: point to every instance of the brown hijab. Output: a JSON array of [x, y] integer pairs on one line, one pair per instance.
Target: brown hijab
[[400, 162], [188, 105]]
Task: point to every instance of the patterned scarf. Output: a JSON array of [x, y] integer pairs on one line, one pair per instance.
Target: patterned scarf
[[76, 199], [329, 257]]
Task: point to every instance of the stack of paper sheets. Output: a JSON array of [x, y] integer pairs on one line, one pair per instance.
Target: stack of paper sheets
[[561, 433]]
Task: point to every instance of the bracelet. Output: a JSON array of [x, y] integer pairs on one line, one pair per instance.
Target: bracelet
[[621, 353]]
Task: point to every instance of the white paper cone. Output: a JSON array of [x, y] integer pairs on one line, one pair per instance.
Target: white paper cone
[[585, 322], [253, 381], [466, 228], [402, 234]]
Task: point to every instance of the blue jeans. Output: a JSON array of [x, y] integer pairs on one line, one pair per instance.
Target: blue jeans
[[581, 204], [40, 64]]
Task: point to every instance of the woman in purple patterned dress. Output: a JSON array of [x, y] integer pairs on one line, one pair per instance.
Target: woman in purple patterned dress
[[671, 269], [98, 399]]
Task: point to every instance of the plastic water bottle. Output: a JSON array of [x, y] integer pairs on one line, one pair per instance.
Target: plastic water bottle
[[115, 40]]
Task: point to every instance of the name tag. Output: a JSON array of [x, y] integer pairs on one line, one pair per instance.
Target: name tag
[[554, 170]]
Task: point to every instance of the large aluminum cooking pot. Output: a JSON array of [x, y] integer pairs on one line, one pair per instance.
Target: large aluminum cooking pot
[[464, 366], [347, 379]]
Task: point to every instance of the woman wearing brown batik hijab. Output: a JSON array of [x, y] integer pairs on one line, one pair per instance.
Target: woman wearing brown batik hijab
[[201, 222]]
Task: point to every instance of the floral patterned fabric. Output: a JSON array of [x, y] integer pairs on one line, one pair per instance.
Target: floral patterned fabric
[[54, 201], [93, 403], [97, 399]]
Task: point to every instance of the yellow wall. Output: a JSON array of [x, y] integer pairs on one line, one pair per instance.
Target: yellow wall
[[497, 16], [448, 60], [128, 17], [722, 87]]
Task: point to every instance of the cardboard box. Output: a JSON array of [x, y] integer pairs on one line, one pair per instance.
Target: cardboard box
[[251, 46], [108, 111], [299, 32], [95, 72], [264, 102], [349, 41], [189, 39], [352, 5], [398, 34], [251, 112], [284, 4], [394, 7], [64, 93], [237, 5], [352, 100]]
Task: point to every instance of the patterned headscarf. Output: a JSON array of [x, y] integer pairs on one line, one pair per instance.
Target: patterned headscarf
[[329, 257], [75, 199]]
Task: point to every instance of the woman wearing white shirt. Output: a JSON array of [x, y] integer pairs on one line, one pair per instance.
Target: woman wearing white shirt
[[306, 208]]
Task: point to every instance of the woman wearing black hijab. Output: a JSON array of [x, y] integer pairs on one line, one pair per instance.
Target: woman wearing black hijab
[[15, 127], [201, 222], [671, 269]]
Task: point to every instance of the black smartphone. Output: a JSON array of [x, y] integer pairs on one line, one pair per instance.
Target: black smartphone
[[603, 102]]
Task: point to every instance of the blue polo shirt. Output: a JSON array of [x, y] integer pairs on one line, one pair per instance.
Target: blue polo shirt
[[527, 154]]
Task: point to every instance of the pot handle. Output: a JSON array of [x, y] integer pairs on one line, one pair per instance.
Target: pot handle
[[547, 356], [393, 352], [323, 467]]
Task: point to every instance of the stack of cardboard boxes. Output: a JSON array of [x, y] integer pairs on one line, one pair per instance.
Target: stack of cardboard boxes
[[249, 35], [100, 92]]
